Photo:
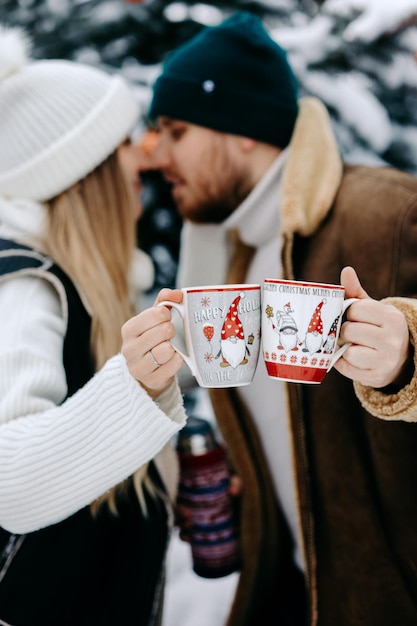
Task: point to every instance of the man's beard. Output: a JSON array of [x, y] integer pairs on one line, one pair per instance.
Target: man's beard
[[207, 212], [222, 187], [233, 352]]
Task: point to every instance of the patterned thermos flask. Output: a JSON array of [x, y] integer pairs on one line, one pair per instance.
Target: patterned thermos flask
[[204, 489]]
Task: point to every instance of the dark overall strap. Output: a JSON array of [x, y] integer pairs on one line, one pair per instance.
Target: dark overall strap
[[18, 260]]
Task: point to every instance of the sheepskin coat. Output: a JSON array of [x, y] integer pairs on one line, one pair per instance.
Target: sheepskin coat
[[354, 448]]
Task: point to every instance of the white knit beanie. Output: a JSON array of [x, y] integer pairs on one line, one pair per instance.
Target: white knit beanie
[[58, 120]]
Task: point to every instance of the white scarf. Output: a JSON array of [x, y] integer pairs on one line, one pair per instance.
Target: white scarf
[[22, 220]]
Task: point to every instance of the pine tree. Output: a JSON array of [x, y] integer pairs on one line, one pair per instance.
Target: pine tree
[[369, 89]]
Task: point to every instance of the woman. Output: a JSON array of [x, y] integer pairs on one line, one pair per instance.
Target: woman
[[86, 477]]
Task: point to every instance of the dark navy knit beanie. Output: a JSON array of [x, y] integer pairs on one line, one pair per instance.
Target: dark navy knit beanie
[[232, 78]]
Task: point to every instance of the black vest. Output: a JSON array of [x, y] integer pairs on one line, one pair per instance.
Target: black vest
[[83, 571]]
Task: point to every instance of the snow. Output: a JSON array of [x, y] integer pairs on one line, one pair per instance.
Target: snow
[[350, 95], [359, 72], [189, 599], [376, 16]]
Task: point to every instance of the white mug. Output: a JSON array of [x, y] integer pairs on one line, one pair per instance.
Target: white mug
[[222, 333], [300, 328]]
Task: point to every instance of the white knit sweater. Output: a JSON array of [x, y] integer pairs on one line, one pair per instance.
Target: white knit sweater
[[56, 458]]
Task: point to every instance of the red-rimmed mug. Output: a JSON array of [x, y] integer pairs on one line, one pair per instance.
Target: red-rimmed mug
[[300, 328]]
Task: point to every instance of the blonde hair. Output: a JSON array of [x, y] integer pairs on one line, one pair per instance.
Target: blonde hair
[[91, 234]]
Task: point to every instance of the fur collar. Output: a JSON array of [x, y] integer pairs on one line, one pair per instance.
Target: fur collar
[[313, 170]]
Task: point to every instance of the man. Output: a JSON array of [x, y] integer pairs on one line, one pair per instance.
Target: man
[[328, 471]]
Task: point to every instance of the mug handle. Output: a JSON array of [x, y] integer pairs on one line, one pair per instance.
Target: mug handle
[[181, 310], [340, 351]]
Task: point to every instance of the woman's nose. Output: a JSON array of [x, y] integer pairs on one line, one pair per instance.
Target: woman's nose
[[154, 156]]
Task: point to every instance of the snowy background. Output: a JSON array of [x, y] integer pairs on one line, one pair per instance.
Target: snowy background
[[358, 56]]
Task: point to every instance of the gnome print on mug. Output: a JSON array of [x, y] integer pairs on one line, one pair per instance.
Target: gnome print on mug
[[300, 328], [222, 333], [233, 347]]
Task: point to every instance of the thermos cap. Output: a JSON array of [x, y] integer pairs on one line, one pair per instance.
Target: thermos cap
[[197, 437]]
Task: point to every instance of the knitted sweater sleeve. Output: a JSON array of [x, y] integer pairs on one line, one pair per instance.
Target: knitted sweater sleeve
[[56, 458], [401, 405]]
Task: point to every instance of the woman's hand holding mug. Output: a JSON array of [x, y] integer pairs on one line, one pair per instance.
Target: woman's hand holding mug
[[147, 348]]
